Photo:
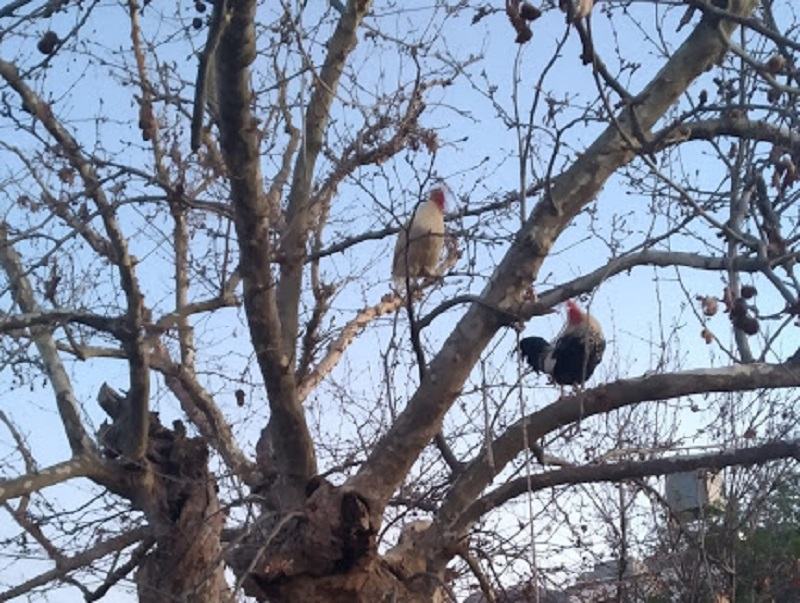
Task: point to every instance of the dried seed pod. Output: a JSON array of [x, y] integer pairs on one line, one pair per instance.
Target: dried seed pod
[[529, 12], [748, 324], [776, 178], [66, 175], [775, 64], [523, 35], [147, 121], [48, 42], [707, 336], [739, 308], [239, 397], [710, 305], [748, 291]]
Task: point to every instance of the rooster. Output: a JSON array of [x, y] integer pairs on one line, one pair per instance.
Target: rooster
[[419, 243], [570, 359]]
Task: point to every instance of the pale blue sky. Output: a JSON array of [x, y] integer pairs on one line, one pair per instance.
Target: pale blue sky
[[627, 304]]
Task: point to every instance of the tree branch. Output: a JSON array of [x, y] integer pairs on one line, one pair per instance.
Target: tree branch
[[136, 558], [136, 442], [389, 303], [115, 326], [112, 545], [36, 480], [738, 126], [290, 451], [648, 257], [602, 399], [298, 212], [67, 404], [422, 418], [614, 472]]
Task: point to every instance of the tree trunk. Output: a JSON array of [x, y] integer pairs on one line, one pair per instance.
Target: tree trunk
[[327, 553], [369, 582], [177, 492], [186, 562]]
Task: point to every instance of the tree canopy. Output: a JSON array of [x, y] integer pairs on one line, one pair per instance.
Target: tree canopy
[[214, 390]]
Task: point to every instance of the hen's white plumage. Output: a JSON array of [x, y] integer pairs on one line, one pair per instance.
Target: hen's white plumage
[[419, 243]]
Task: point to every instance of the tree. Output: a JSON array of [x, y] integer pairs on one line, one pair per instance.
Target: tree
[[201, 276], [746, 550]]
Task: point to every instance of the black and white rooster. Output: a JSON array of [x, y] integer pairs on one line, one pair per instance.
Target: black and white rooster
[[570, 359]]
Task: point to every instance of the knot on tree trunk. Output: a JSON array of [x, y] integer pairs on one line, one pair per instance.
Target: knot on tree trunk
[[327, 552], [330, 535]]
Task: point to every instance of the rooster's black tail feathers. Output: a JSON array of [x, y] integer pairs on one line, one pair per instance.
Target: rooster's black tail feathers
[[534, 350]]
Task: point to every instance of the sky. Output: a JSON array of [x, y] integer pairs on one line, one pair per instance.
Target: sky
[[630, 306]]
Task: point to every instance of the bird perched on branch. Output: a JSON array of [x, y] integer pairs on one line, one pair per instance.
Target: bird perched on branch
[[419, 243], [570, 359]]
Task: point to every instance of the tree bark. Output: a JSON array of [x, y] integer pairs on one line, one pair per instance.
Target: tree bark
[[178, 494]]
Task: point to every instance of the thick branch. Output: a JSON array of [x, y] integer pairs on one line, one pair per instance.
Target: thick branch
[[55, 474], [649, 257], [739, 127], [226, 299], [293, 245], [205, 73], [390, 303], [116, 326], [107, 547], [602, 399], [66, 402], [139, 390], [422, 418], [290, 451], [587, 282], [615, 472]]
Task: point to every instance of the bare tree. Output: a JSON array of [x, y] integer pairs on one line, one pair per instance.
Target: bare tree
[[217, 277]]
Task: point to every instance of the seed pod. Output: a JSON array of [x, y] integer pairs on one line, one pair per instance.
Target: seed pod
[[710, 305], [748, 291], [529, 12], [48, 42], [66, 175], [775, 64], [707, 336], [748, 324], [739, 308], [523, 35]]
